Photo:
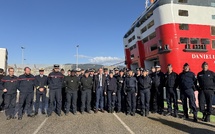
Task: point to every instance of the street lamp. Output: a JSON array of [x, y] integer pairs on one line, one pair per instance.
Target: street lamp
[[77, 56], [23, 55]]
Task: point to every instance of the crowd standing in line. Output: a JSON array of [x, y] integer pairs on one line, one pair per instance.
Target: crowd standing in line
[[100, 90]]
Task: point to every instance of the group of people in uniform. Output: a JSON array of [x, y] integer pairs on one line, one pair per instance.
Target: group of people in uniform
[[115, 90]]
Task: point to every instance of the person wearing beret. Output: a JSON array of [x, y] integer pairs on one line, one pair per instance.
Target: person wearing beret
[[41, 84], [187, 85], [206, 79]]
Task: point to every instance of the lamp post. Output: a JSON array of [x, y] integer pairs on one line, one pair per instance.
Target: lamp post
[[77, 56], [23, 55]]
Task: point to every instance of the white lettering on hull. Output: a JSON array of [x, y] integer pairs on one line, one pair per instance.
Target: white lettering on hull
[[203, 56]]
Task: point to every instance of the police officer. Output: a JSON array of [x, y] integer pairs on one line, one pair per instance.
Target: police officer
[[159, 84], [63, 92], [26, 88], [69, 72], [41, 83], [86, 92], [206, 79], [138, 72], [98, 88], [187, 83], [171, 83], [1, 92], [116, 72], [120, 92], [110, 91], [130, 89], [9, 85], [144, 84], [55, 80], [153, 98], [72, 83]]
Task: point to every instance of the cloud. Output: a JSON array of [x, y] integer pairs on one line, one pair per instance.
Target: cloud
[[83, 56], [106, 60]]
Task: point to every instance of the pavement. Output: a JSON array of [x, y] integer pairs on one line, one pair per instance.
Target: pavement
[[103, 123]]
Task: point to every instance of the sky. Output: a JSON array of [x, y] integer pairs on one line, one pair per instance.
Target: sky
[[50, 30]]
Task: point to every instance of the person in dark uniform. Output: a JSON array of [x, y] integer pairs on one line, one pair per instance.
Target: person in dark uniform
[[9, 85], [98, 88], [187, 84], [138, 72], [41, 83], [110, 91], [120, 92], [72, 84], [1, 92], [93, 99], [144, 84], [153, 97], [158, 100], [79, 73], [206, 79], [55, 83], [137, 75], [130, 89], [63, 92], [26, 88], [116, 72], [69, 72], [171, 84], [86, 92]]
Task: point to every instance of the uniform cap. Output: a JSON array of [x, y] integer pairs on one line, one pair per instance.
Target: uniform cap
[[141, 69], [105, 69], [56, 66], [121, 70], [87, 71], [116, 69], [72, 71], [41, 69], [111, 72], [137, 69], [157, 66], [186, 64], [204, 63], [169, 65], [78, 69]]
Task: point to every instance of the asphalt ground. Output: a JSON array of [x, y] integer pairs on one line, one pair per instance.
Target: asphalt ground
[[103, 123]]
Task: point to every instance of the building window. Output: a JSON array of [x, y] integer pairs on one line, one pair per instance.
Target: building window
[[151, 24], [213, 44], [212, 30], [194, 40], [143, 30], [153, 35], [182, 12], [205, 41], [213, 17], [182, 1], [131, 48], [134, 46], [154, 47], [184, 40], [183, 26], [145, 40]]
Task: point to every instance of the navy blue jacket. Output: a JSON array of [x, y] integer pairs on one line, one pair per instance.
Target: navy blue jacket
[[171, 80], [86, 83], [55, 80], [206, 80], [9, 83], [26, 83], [187, 81], [144, 82], [111, 84], [120, 82], [130, 83], [41, 82]]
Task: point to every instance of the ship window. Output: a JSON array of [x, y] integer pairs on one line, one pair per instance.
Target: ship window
[[194, 40], [213, 44], [151, 24], [134, 46], [184, 40], [212, 30], [212, 4], [143, 30], [182, 12], [145, 40], [154, 47], [131, 48], [205, 41], [183, 26], [213, 17], [153, 35], [182, 1]]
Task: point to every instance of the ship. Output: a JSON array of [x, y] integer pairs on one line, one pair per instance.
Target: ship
[[172, 32]]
